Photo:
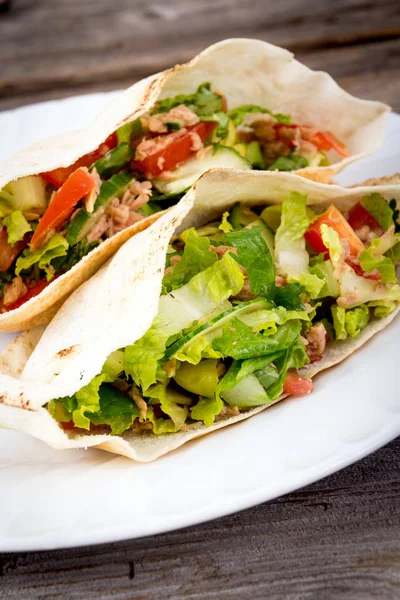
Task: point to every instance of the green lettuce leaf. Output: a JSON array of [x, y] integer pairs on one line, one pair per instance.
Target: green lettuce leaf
[[382, 309], [349, 322], [55, 247], [258, 381], [289, 296], [206, 410], [294, 162], [238, 114], [254, 255], [225, 225], [196, 257], [290, 245], [87, 399], [177, 414], [239, 341], [379, 208], [257, 315], [203, 102], [373, 258], [17, 226], [117, 410], [325, 272], [178, 310]]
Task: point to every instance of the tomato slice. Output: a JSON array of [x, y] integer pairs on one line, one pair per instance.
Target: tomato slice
[[58, 176], [9, 253], [170, 150], [333, 218], [297, 385], [79, 184], [359, 217], [31, 293]]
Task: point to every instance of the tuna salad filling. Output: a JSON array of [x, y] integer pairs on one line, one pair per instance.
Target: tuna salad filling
[[50, 221], [246, 302]]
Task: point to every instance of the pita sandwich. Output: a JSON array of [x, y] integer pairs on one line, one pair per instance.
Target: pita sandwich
[[69, 202], [210, 315]]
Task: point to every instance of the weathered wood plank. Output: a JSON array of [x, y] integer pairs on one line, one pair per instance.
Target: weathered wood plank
[[51, 47], [339, 538], [369, 71]]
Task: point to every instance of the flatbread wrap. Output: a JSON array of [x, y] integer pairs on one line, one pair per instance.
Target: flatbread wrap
[[68, 203], [174, 338]]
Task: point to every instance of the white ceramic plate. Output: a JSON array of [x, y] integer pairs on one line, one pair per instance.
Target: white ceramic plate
[[58, 499]]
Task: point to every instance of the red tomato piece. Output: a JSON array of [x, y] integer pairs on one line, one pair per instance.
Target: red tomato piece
[[359, 217], [79, 184], [58, 176], [9, 253], [333, 218], [33, 291], [168, 151], [297, 385]]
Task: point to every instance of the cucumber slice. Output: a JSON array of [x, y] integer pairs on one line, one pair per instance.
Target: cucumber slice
[[186, 175], [247, 393], [84, 221], [113, 161], [255, 155], [241, 216]]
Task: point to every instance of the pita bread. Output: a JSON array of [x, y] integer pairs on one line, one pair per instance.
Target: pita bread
[[247, 71], [43, 364]]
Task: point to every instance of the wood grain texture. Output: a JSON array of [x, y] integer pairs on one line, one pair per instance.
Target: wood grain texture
[[53, 48], [338, 539]]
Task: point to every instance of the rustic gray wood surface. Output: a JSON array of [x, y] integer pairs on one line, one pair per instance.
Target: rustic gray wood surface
[[337, 539]]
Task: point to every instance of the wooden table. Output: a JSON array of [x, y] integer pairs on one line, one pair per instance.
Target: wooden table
[[337, 539]]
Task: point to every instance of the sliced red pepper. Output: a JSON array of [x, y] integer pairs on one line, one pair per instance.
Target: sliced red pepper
[[333, 218], [297, 385], [58, 176], [9, 253], [359, 217], [78, 185], [172, 149], [33, 291]]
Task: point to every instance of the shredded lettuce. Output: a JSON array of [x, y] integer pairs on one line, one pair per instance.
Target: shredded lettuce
[[177, 414], [203, 102], [17, 226], [355, 290], [324, 270], [259, 380], [289, 296], [257, 315], [196, 257], [379, 208], [349, 322], [117, 410], [294, 162], [178, 310], [373, 258], [56, 246], [239, 341], [206, 410], [290, 246], [238, 114], [225, 225], [254, 255]]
